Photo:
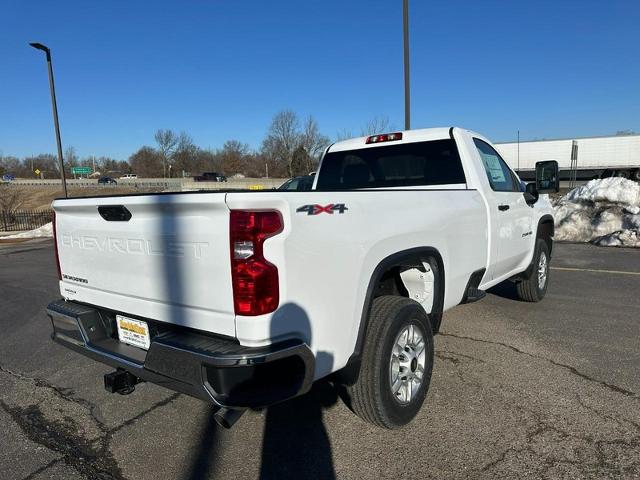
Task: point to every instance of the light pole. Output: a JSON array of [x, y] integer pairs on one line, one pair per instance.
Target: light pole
[[52, 87], [407, 92]]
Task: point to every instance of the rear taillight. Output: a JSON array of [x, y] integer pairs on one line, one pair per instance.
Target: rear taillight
[[55, 245], [255, 280]]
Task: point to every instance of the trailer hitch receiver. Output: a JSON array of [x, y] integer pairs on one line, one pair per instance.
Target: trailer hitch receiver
[[121, 382]]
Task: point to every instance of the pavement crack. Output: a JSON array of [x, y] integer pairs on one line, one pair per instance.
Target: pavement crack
[[621, 421], [134, 419], [91, 458], [37, 472], [63, 437], [598, 459], [453, 357], [601, 461], [66, 394], [573, 370]]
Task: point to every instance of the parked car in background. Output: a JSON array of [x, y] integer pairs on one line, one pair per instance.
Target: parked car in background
[[210, 177], [7, 177], [129, 176], [298, 184], [107, 181]]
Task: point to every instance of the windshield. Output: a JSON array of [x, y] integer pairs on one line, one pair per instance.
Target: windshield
[[435, 162]]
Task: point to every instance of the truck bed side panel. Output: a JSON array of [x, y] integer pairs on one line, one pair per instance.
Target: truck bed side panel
[[326, 260]]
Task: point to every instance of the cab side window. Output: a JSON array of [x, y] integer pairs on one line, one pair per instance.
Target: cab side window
[[499, 174]]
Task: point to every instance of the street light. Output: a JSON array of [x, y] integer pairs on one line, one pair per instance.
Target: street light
[[407, 93], [52, 87]]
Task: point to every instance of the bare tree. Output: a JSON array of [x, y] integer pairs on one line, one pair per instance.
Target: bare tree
[[283, 137], [233, 157], [70, 159], [12, 198], [167, 142], [146, 162], [301, 162], [45, 162], [184, 156], [312, 140], [344, 134], [376, 125], [11, 165], [205, 161], [284, 127]]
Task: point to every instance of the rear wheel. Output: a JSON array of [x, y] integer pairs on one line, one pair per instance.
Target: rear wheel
[[636, 175], [397, 361], [534, 288]]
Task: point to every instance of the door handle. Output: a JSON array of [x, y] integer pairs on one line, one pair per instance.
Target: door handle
[[502, 208]]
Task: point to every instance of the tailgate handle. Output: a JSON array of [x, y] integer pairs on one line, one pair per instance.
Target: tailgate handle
[[114, 213]]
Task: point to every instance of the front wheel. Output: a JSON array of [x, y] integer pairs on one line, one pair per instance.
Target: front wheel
[[396, 365], [534, 288]]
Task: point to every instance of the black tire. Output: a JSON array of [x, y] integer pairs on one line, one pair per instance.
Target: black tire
[[531, 290], [636, 175], [371, 396]]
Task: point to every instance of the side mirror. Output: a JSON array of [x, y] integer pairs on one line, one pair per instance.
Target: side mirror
[[547, 177], [531, 194]]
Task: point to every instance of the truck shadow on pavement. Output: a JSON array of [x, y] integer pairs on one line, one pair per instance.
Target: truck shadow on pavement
[[295, 441]]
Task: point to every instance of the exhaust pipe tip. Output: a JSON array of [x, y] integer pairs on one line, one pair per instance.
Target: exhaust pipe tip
[[227, 417]]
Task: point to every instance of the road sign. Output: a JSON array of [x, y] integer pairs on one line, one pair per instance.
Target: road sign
[[37, 171], [81, 170]]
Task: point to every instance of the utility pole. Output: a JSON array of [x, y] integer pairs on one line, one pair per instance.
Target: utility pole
[[54, 105], [407, 92]]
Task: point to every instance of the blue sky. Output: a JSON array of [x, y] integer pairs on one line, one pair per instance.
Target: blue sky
[[220, 70]]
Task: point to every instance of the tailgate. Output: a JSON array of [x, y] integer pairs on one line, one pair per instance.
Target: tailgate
[[169, 261]]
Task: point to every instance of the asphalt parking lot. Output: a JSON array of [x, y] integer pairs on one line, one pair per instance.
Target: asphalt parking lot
[[548, 390]]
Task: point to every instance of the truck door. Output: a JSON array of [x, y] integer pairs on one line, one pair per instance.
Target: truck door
[[513, 227]]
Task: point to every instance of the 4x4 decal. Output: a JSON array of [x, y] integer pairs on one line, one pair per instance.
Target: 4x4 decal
[[318, 209]]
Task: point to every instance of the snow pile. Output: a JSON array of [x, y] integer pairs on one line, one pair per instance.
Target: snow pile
[[42, 232], [605, 212]]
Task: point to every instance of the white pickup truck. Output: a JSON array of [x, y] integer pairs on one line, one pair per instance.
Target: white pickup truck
[[244, 299]]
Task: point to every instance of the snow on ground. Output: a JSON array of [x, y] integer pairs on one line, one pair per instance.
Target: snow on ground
[[605, 212], [44, 231]]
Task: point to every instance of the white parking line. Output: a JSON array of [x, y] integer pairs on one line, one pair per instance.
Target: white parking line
[[616, 272]]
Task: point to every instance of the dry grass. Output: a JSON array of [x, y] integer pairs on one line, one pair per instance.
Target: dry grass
[[36, 198]]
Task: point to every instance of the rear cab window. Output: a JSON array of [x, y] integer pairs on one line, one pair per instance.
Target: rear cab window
[[430, 163]]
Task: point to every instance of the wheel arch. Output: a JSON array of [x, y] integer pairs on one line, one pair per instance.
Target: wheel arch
[[546, 230], [405, 258]]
